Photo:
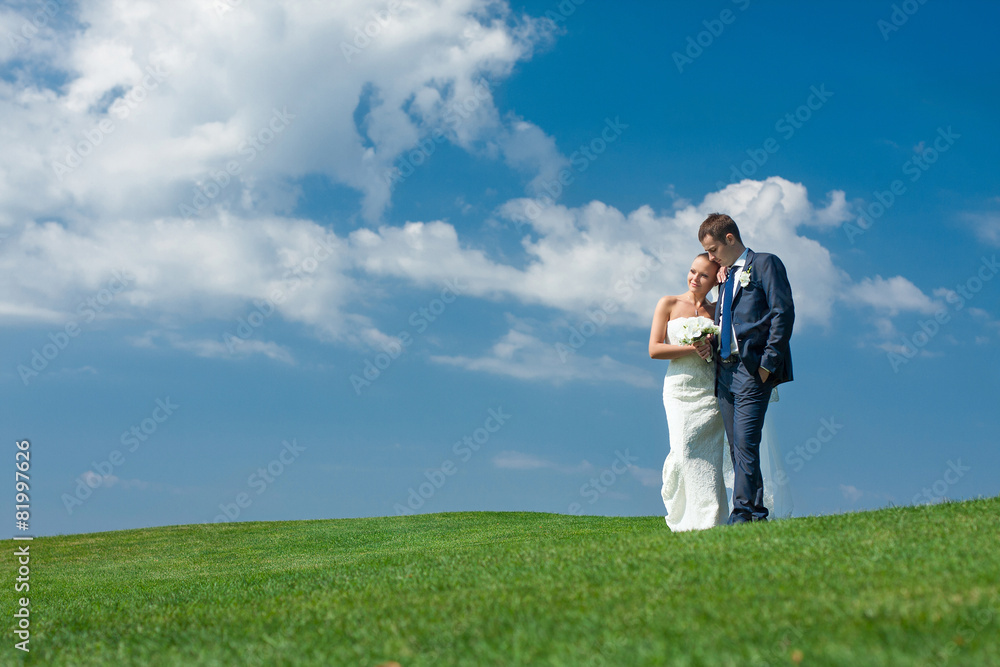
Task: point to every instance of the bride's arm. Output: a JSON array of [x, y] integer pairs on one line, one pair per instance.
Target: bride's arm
[[658, 333]]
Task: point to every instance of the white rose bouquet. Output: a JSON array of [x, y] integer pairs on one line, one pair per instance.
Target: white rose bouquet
[[697, 329]]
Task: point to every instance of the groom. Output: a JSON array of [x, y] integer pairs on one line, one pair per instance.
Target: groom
[[755, 316]]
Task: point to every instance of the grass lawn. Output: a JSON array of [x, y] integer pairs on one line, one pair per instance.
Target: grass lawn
[[898, 586]]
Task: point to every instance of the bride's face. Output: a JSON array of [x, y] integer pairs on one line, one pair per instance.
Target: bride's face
[[702, 276]]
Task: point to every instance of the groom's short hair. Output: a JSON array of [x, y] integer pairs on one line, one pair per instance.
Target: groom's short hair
[[718, 225]]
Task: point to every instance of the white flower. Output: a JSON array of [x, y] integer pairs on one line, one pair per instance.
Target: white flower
[[745, 277], [696, 329]]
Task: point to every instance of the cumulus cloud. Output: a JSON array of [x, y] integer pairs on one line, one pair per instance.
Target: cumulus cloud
[[161, 97], [173, 147], [893, 295], [578, 258], [154, 156], [174, 270]]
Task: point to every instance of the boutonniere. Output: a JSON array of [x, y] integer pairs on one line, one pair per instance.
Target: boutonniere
[[745, 276]]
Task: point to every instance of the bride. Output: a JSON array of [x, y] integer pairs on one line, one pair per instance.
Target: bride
[[698, 467]]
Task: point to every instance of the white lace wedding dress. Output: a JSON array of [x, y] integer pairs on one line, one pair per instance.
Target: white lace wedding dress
[[698, 468]]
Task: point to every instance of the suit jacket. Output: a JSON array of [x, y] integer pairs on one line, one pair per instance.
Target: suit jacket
[[763, 315]]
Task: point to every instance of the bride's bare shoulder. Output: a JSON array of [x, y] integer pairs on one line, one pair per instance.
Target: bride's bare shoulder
[[666, 304], [667, 300]]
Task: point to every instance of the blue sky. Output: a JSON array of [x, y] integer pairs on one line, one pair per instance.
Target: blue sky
[[389, 201]]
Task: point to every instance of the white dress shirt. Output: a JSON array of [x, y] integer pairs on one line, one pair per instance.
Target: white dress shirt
[[738, 268]]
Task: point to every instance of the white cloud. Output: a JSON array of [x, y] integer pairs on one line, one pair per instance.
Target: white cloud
[[892, 296], [986, 226], [851, 493], [527, 147], [905, 351], [583, 256], [885, 327], [80, 370], [95, 481], [12, 311], [175, 269], [514, 460], [161, 97], [197, 86], [234, 348], [526, 357], [647, 476], [834, 213]]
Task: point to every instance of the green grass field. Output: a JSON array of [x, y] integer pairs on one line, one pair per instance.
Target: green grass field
[[898, 586]]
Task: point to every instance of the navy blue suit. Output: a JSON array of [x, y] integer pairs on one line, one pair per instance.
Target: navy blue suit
[[762, 316]]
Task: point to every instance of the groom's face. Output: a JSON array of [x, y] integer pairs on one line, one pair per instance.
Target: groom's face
[[724, 252]]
